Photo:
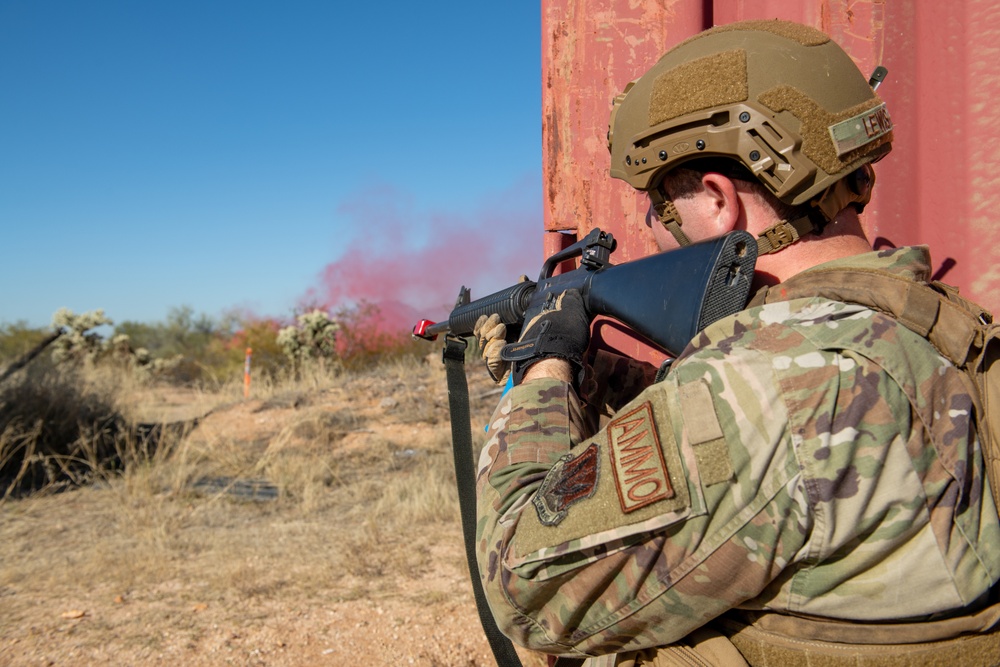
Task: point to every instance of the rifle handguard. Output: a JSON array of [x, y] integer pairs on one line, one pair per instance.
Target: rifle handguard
[[510, 304], [561, 331]]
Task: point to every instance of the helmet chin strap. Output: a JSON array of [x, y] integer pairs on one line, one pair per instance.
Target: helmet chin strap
[[668, 215], [856, 188], [786, 232]]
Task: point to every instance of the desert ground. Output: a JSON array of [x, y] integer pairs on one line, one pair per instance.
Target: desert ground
[[313, 523]]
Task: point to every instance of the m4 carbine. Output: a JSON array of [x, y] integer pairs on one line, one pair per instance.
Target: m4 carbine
[[667, 297]]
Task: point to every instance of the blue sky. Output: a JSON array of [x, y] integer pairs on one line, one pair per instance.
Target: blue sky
[[223, 154]]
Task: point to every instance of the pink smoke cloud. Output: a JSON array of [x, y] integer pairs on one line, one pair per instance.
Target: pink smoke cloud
[[410, 264]]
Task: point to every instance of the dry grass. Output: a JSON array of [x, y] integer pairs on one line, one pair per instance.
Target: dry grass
[[245, 530]]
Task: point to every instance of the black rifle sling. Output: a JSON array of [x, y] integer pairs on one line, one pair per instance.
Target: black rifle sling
[[465, 476]]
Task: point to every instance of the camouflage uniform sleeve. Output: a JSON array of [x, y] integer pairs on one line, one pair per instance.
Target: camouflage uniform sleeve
[[534, 424], [612, 380], [644, 532]]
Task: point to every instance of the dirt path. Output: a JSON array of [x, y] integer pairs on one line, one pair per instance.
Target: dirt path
[[355, 558]]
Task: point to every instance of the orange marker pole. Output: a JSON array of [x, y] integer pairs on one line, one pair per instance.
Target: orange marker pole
[[246, 375]]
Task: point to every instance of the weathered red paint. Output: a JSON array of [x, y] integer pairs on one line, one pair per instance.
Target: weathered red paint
[[591, 49], [939, 185]]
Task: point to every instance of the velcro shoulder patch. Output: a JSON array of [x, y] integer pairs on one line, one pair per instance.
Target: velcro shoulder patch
[[629, 479], [704, 433], [700, 421]]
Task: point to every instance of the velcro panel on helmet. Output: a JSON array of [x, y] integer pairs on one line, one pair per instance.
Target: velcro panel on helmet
[[708, 82], [803, 34], [817, 145]]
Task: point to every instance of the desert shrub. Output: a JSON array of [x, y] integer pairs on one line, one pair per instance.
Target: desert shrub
[[190, 349], [185, 348], [55, 429], [180, 333], [368, 339], [260, 335]]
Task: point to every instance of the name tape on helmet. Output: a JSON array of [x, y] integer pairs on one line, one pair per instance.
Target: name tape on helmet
[[859, 130]]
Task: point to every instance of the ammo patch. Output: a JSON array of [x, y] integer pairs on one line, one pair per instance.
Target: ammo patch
[[569, 481], [599, 519], [859, 130], [640, 473]]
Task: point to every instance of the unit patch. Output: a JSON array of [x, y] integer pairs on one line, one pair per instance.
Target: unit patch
[[639, 469], [570, 480]]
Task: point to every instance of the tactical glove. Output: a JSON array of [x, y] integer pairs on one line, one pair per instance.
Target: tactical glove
[[492, 336], [561, 330]]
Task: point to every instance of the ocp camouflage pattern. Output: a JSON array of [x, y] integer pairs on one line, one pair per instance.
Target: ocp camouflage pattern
[[610, 381], [821, 460]]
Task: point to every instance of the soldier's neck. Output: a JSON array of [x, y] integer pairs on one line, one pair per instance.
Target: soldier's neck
[[843, 237]]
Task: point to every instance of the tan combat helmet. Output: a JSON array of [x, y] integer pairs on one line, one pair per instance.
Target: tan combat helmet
[[779, 98]]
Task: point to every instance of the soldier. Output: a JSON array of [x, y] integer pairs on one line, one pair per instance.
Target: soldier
[[806, 483]]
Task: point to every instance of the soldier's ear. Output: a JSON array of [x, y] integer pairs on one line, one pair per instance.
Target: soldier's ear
[[723, 205]]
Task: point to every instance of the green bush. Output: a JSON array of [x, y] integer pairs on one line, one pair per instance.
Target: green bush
[[184, 348], [366, 340], [261, 336], [17, 339]]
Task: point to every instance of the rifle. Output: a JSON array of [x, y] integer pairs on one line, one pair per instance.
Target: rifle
[[667, 297]]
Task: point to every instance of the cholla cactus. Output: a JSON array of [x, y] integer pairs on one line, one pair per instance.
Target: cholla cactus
[[313, 339], [78, 343], [161, 366], [119, 348]]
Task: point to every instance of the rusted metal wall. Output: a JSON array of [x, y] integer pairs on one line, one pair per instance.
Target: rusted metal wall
[[939, 186]]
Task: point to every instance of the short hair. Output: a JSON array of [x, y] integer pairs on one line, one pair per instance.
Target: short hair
[[685, 181]]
